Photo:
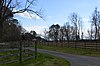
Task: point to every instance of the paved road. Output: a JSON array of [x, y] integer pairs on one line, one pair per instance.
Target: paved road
[[75, 60]]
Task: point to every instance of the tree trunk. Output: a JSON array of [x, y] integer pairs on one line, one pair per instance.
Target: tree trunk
[[95, 32]]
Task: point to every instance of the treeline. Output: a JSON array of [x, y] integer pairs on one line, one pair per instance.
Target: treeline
[[73, 29], [10, 28], [13, 31]]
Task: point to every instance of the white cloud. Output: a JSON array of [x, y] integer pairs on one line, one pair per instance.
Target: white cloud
[[27, 15], [86, 26], [49, 17], [86, 22], [38, 29], [56, 23], [59, 23], [85, 19]]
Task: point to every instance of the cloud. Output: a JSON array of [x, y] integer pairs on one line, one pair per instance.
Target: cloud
[[59, 23], [85, 19], [49, 17], [38, 29], [86, 22], [26, 15], [86, 26]]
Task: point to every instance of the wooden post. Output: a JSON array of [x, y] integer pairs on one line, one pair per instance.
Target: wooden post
[[68, 43], [85, 44], [20, 52], [96, 45], [35, 41], [35, 49]]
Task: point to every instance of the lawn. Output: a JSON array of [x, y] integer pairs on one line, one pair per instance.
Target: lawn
[[42, 60], [78, 51]]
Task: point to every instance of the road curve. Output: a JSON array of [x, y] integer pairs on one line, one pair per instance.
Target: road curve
[[75, 60]]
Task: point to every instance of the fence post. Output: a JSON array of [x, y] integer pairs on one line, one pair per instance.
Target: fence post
[[20, 52], [35, 49], [68, 43], [75, 44], [85, 44], [96, 45]]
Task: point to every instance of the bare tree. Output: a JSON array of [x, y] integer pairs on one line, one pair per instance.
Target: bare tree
[[46, 34], [76, 21], [66, 29], [95, 21], [10, 7], [61, 35]]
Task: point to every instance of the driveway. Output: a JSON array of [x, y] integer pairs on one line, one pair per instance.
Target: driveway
[[75, 60]]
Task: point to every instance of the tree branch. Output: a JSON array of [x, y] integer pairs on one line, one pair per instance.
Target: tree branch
[[29, 4], [9, 3]]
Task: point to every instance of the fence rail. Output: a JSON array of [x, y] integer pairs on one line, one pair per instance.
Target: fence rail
[[95, 45], [15, 51]]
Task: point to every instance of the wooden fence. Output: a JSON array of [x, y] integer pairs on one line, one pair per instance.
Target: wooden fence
[[15, 52], [95, 45]]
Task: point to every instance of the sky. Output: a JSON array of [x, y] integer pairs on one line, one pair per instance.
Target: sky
[[57, 12]]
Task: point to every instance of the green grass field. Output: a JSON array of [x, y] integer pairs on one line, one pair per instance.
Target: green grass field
[[78, 51], [42, 60]]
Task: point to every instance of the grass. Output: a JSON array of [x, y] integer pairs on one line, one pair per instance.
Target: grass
[[12, 52], [8, 52], [42, 60], [78, 51]]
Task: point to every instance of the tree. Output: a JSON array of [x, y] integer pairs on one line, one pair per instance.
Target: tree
[[28, 36], [61, 33], [72, 33], [76, 21], [96, 23], [33, 33], [67, 31], [10, 7], [46, 34], [53, 31], [57, 27], [11, 30]]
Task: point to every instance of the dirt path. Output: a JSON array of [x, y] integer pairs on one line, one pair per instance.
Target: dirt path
[[75, 60]]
